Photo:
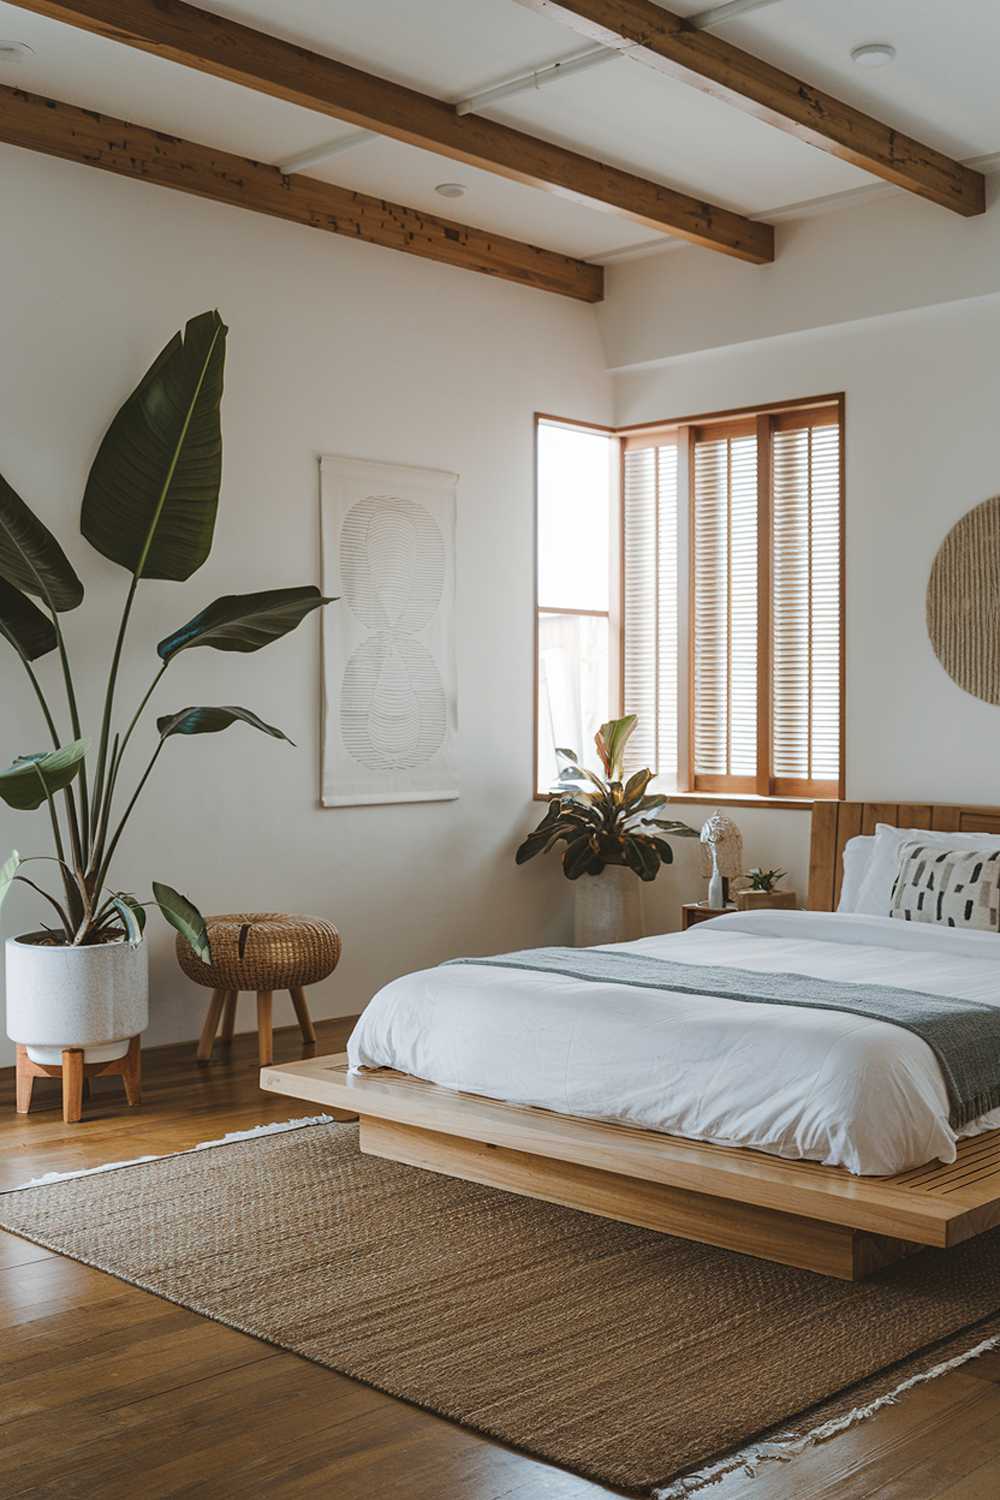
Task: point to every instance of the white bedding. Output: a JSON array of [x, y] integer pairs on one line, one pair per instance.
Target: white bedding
[[818, 1084]]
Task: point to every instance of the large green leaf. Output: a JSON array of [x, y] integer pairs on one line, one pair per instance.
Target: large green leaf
[[211, 721], [130, 914], [31, 558], [23, 785], [611, 740], [244, 622], [135, 906], [8, 870], [153, 490], [544, 838], [679, 830], [635, 788], [185, 917], [580, 773], [579, 855], [31, 633], [641, 857]]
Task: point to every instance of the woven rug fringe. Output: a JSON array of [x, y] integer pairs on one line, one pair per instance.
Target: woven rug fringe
[[226, 1140], [788, 1445]]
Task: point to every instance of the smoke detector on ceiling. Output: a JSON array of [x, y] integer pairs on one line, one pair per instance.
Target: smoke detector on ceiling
[[450, 190], [873, 55]]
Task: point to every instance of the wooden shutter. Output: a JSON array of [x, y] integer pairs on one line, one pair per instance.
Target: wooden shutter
[[724, 689], [763, 638], [806, 604], [649, 655]]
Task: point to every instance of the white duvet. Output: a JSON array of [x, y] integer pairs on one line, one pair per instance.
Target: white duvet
[[816, 1084]]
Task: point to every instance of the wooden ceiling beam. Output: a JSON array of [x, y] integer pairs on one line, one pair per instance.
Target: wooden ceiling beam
[[226, 49], [670, 44], [80, 135]]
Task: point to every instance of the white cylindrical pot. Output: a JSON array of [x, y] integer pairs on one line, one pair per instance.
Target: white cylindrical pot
[[607, 907], [94, 997]]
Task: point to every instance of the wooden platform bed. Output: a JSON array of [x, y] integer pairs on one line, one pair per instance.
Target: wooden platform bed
[[798, 1213]]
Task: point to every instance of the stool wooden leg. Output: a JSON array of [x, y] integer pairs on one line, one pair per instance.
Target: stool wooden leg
[[132, 1072], [302, 1013], [72, 1084], [229, 1018], [25, 1080], [265, 1037], [211, 1025]]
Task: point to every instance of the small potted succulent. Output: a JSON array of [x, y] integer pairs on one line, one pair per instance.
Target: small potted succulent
[[762, 890], [611, 837], [80, 980]]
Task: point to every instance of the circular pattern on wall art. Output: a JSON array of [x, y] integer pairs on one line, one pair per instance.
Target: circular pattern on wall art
[[393, 713], [963, 602]]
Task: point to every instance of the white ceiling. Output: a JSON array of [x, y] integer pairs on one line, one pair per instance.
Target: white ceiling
[[941, 89]]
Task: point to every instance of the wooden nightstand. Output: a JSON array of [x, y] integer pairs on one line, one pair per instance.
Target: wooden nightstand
[[766, 900], [693, 911]]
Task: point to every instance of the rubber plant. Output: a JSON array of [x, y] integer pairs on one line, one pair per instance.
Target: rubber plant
[[149, 506], [605, 820]]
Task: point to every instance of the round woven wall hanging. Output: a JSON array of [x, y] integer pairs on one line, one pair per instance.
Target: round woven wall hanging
[[963, 602]]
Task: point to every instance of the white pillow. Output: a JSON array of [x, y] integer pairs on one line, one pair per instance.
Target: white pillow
[[857, 857], [875, 897]]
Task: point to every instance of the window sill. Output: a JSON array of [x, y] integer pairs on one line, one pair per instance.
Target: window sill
[[722, 799], [742, 799]]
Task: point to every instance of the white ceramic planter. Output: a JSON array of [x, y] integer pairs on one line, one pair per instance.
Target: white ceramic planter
[[607, 907], [96, 998]]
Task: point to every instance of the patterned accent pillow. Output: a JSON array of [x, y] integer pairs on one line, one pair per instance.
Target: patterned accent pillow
[[956, 887]]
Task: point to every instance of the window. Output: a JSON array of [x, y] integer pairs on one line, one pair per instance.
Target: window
[[576, 668], [742, 678], [725, 614]]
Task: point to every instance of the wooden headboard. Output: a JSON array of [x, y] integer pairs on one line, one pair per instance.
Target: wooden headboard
[[833, 823]]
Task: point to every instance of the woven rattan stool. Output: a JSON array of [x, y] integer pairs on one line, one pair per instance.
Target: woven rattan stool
[[262, 952]]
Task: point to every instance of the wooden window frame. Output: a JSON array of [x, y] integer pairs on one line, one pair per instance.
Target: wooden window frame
[[764, 789]]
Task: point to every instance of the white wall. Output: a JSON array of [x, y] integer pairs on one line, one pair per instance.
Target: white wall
[[863, 261], [923, 397], [334, 347]]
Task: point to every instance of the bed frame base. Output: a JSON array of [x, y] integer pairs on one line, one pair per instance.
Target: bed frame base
[[795, 1212], [830, 1249]]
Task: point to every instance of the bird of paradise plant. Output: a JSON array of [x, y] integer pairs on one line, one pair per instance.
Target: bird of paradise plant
[[610, 825], [150, 506]]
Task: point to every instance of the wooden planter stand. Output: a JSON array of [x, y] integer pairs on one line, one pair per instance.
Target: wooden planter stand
[[75, 1075]]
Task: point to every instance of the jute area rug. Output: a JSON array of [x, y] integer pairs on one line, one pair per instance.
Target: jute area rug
[[627, 1356]]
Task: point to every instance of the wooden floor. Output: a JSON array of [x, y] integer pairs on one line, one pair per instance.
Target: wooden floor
[[106, 1391]]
